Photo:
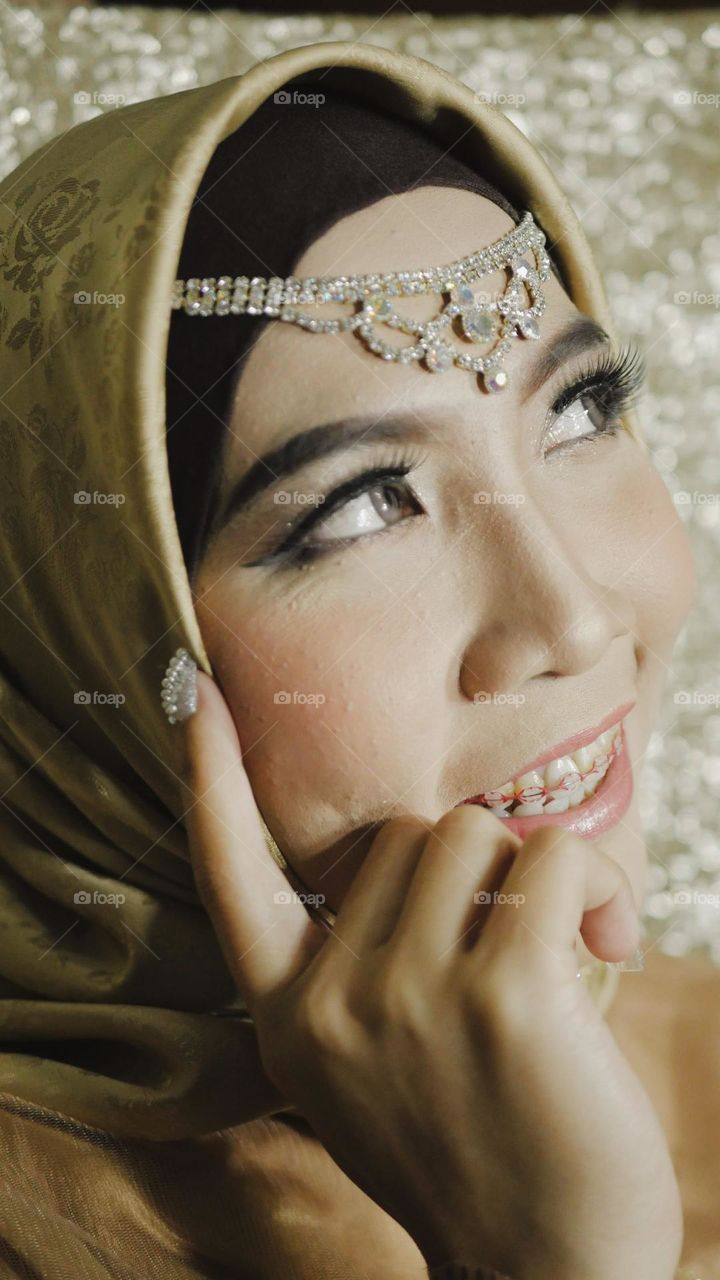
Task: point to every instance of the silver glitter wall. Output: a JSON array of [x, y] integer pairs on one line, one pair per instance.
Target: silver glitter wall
[[627, 112]]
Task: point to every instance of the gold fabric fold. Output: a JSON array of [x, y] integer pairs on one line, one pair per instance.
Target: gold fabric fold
[[109, 1016]]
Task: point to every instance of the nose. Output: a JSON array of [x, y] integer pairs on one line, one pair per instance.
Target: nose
[[551, 605]]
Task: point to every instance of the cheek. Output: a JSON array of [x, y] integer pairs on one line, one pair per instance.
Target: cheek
[[659, 571], [327, 708]]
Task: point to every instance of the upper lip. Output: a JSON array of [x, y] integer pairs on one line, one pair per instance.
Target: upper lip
[[569, 745]]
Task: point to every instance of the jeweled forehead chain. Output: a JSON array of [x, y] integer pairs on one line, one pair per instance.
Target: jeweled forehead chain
[[489, 321]]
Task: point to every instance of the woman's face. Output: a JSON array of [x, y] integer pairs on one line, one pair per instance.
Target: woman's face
[[519, 585]]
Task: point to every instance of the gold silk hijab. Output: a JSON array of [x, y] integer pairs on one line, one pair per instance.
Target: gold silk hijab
[[112, 1034]]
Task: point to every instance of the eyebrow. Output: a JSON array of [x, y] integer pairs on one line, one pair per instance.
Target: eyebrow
[[579, 335]]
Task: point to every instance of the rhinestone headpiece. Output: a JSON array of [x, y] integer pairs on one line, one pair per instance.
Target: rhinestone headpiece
[[495, 321]]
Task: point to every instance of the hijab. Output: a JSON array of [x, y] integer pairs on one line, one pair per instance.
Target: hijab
[[114, 1025]]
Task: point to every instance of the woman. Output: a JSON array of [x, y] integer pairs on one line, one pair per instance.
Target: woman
[[346, 1133]]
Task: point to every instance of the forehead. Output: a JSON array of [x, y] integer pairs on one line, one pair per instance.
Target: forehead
[[293, 380]]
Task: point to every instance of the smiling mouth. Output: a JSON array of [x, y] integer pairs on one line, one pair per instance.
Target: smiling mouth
[[561, 784]]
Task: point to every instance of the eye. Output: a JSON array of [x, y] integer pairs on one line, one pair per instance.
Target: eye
[[593, 403], [585, 417], [376, 508], [370, 502]]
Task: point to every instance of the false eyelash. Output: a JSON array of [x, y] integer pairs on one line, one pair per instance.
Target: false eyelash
[[615, 378]]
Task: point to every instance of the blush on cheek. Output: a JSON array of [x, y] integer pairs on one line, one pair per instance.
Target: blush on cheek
[[660, 566], [334, 733]]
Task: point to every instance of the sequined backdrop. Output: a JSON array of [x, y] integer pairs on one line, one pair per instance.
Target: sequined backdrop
[[627, 112]]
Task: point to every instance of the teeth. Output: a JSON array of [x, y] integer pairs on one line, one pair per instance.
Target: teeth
[[563, 784], [558, 803], [528, 810], [583, 759], [560, 769], [530, 787], [576, 796], [591, 780], [500, 795]]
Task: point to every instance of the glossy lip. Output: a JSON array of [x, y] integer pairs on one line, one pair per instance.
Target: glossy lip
[[566, 747], [598, 812]]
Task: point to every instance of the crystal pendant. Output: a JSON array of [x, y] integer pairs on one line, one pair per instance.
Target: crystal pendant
[[528, 326], [438, 356], [522, 269], [379, 305], [495, 381], [479, 324], [512, 299], [463, 295]]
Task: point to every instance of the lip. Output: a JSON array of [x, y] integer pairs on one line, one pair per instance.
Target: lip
[[600, 811], [566, 747]]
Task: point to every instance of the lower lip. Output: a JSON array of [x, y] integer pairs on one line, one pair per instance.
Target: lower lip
[[595, 815]]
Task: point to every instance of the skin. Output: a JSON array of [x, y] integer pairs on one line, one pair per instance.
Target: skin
[[572, 599]]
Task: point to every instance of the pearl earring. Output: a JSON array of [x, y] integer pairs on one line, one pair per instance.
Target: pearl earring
[[179, 687]]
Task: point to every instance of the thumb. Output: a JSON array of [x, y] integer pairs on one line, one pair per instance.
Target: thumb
[[612, 930], [265, 932]]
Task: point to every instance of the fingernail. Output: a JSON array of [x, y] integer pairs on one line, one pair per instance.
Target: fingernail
[[179, 687], [634, 963]]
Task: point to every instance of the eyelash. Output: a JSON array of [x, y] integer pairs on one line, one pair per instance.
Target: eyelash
[[612, 380]]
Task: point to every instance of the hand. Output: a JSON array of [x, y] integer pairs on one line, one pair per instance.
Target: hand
[[444, 1051]]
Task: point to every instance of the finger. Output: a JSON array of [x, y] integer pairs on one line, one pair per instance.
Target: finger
[[555, 880], [266, 934], [373, 902], [467, 851]]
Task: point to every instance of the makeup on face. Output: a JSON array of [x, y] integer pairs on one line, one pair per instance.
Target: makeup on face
[[588, 405]]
